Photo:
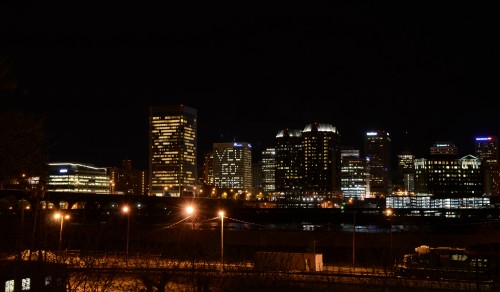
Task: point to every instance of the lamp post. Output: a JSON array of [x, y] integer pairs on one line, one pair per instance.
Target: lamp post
[[221, 214], [61, 217], [190, 212], [24, 206], [354, 238], [126, 210], [389, 212]]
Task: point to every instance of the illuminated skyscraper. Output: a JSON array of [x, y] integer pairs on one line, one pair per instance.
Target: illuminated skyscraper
[[486, 149], [404, 177], [172, 145], [355, 177], [321, 160], [232, 164], [406, 172], [288, 175], [377, 150], [268, 171]]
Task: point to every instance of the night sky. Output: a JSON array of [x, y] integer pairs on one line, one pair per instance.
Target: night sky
[[251, 70]]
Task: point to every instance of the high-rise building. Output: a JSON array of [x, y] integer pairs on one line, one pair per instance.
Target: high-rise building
[[208, 168], [257, 179], [321, 160], [288, 174], [355, 175], [172, 156], [268, 172], [405, 175], [233, 167], [76, 177], [377, 151], [445, 176], [486, 149]]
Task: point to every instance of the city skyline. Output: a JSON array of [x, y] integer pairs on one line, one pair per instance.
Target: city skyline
[[255, 71]]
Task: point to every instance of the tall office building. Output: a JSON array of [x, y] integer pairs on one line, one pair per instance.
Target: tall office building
[[486, 149], [208, 168], [257, 179], [172, 145], [405, 175], [268, 172], [446, 176], [288, 174], [377, 150], [232, 164], [355, 175], [321, 160]]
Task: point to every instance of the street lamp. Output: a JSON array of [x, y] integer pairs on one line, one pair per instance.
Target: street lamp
[[221, 214], [389, 212], [354, 238], [61, 217], [190, 212], [126, 210]]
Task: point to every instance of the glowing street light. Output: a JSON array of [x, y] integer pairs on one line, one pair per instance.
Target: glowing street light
[[389, 213], [61, 217], [126, 210], [189, 210], [221, 214]]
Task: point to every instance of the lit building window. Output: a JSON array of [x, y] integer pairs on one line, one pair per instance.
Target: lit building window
[[26, 284], [9, 286]]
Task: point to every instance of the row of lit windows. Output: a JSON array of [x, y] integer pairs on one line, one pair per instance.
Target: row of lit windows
[[428, 202]]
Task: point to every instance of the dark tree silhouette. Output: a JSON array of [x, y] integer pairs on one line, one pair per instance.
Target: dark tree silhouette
[[23, 142]]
